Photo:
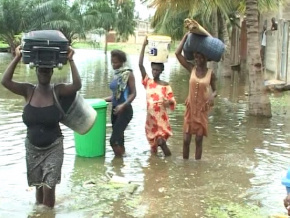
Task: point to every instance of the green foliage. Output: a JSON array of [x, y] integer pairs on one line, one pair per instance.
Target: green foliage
[[104, 12], [13, 20], [233, 210], [17, 39], [127, 48], [125, 24], [74, 19], [170, 25], [201, 10], [263, 5], [84, 44], [282, 101], [59, 15], [114, 15], [3, 45]]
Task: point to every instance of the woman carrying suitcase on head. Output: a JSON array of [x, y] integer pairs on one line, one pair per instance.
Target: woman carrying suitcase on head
[[44, 141]]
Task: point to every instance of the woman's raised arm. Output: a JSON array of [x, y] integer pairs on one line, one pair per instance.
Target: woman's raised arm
[[178, 53], [19, 88]]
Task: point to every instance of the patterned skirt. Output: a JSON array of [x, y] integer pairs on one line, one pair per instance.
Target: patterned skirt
[[44, 163]]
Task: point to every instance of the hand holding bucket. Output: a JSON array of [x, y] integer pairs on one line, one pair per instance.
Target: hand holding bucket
[[78, 115]]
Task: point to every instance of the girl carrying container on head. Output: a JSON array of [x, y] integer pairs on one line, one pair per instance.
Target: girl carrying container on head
[[200, 99], [159, 98]]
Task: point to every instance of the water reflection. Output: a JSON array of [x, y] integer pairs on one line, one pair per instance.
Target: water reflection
[[244, 157]]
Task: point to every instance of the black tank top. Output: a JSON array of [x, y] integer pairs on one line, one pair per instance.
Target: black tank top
[[42, 123]]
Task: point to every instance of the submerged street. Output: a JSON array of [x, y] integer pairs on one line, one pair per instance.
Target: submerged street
[[240, 173]]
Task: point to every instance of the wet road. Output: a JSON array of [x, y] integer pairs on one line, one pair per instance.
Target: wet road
[[243, 161]]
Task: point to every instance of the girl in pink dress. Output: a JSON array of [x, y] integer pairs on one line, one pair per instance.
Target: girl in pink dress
[[159, 98]]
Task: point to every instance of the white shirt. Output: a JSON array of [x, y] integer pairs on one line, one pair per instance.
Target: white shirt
[[264, 39]]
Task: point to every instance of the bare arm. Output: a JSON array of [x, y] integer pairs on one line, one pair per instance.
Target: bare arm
[[15, 87], [108, 99], [210, 101], [76, 85], [178, 53], [213, 84], [287, 203], [141, 58], [169, 101]]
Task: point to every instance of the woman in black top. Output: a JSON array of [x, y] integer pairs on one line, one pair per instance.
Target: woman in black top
[[44, 141]]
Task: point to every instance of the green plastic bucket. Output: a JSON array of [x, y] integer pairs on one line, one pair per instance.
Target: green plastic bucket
[[93, 143]]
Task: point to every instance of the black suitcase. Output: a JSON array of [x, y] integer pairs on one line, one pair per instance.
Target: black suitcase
[[44, 48]]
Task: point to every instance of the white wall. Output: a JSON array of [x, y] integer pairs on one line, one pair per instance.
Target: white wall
[[283, 12], [271, 50]]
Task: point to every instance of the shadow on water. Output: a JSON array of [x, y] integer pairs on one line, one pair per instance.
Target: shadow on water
[[243, 162]]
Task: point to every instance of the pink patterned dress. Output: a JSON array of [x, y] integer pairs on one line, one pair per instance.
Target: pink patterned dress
[[157, 121]]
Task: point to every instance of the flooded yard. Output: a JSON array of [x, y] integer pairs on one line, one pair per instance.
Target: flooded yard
[[240, 173]]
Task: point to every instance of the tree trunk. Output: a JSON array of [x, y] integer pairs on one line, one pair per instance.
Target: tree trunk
[[227, 72], [106, 41], [259, 103], [235, 43]]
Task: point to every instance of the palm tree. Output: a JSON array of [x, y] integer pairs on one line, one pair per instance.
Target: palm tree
[[74, 20], [115, 15], [18, 16], [103, 10], [13, 21], [226, 72], [259, 103], [125, 23], [201, 10], [204, 11], [54, 14]]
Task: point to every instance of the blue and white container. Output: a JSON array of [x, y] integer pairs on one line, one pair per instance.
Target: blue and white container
[[158, 46]]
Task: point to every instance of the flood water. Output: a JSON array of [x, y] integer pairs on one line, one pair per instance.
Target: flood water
[[243, 162]]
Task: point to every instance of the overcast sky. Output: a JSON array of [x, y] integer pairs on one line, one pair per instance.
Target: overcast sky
[[144, 12]]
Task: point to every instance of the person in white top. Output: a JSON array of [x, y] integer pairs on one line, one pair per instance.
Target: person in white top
[[263, 45]]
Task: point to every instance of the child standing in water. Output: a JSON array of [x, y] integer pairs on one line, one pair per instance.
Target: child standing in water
[[159, 97], [200, 99]]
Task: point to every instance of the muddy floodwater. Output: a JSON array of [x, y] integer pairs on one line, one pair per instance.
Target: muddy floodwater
[[244, 158]]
